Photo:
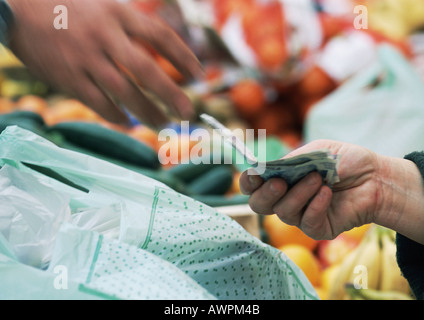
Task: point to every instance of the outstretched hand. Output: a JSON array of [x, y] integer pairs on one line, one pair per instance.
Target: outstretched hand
[[100, 58]]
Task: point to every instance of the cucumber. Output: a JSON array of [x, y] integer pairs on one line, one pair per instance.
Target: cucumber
[[216, 181], [221, 200], [54, 175], [187, 172], [157, 174], [107, 142], [28, 120]]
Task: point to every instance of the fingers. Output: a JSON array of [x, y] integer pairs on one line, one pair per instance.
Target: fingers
[[147, 73], [263, 199], [144, 68], [117, 84], [129, 71], [249, 182], [290, 208], [305, 205], [164, 40], [91, 94], [314, 220]]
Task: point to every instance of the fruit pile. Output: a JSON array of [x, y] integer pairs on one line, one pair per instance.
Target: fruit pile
[[358, 264], [266, 42], [284, 82]]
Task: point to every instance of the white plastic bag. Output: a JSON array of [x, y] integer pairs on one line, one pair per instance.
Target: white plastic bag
[[168, 246], [381, 108], [31, 215]]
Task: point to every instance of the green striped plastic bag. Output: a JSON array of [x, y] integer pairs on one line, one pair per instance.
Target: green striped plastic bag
[[126, 236]]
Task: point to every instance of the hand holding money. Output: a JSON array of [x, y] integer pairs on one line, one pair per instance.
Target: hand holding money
[[318, 191], [292, 170], [321, 211]]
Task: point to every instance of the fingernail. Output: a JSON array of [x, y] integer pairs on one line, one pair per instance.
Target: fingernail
[[273, 188], [253, 180]]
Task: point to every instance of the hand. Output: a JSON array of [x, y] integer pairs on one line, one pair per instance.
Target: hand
[[88, 59], [372, 188]]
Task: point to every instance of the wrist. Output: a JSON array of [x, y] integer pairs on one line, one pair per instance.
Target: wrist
[[400, 205]]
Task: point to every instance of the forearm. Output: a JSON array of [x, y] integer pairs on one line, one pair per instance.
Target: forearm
[[401, 200]]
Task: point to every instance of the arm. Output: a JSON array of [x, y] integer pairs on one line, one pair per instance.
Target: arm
[[372, 189], [102, 58], [402, 202]]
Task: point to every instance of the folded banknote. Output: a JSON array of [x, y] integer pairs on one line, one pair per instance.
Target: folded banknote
[[290, 169]]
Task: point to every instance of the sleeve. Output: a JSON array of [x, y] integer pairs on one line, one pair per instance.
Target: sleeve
[[6, 20], [410, 254]]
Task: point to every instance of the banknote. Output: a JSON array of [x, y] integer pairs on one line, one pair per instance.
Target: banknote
[[292, 169]]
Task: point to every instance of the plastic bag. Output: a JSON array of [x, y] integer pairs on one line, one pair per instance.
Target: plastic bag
[[380, 108], [30, 215], [131, 237]]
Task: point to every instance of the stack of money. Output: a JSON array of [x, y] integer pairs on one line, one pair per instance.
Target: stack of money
[[292, 170]]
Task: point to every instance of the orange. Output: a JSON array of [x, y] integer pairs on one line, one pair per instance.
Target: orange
[[316, 83], [213, 73], [305, 260], [6, 105], [276, 119], [145, 135], [225, 8], [70, 110], [248, 97], [271, 53], [331, 25], [175, 149], [32, 103], [281, 234], [235, 188]]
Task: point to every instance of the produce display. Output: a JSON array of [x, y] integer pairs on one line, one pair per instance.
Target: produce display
[[266, 67]]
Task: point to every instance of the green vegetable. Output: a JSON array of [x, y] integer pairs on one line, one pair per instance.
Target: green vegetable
[[28, 120], [157, 174], [107, 142], [221, 200], [54, 175], [187, 172], [216, 181]]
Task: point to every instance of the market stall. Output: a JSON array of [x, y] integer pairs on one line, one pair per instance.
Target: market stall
[[301, 70]]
